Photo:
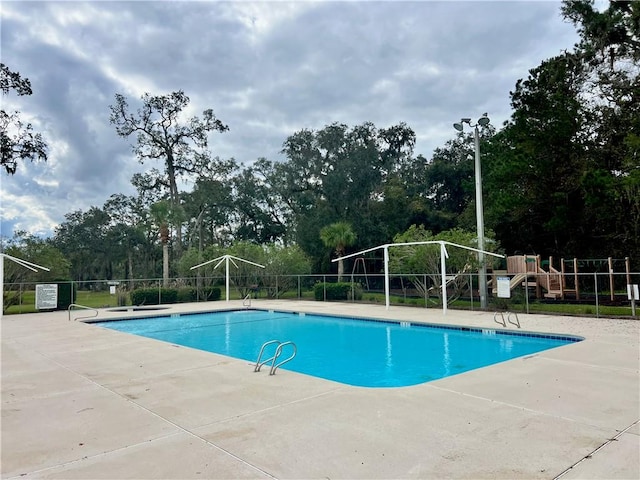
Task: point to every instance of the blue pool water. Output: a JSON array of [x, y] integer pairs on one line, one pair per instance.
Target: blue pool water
[[352, 351]]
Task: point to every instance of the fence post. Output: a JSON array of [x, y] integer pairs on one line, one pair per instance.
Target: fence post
[[324, 287], [595, 279], [426, 290], [526, 291], [471, 289], [611, 284]]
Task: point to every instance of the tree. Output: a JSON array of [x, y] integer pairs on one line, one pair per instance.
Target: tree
[[340, 173], [338, 236], [82, 238], [126, 235], [562, 177], [36, 250], [282, 264], [161, 135], [209, 207], [609, 49], [535, 164], [262, 214], [18, 141], [161, 213]]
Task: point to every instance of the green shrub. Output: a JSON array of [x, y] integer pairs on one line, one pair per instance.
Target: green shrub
[[187, 294], [210, 294], [149, 296], [337, 291]]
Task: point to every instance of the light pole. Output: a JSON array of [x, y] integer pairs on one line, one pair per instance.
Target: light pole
[[482, 282]]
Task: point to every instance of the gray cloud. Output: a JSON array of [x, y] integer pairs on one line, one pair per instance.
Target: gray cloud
[[267, 70]]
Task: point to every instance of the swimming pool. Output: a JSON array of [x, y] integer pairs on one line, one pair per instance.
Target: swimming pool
[[360, 352]]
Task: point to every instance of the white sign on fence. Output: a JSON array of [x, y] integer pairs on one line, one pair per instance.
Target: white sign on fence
[[504, 287], [633, 293], [46, 296]]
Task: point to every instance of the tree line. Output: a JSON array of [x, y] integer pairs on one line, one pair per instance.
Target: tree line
[[561, 177]]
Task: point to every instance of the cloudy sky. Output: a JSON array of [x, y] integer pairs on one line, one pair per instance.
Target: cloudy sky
[[268, 69]]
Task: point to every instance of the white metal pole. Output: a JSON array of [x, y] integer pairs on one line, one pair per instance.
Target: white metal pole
[[386, 276], [226, 264], [443, 272], [482, 282], [2, 283]]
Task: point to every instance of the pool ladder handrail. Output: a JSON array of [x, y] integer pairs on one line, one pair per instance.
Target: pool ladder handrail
[[81, 306], [276, 355], [517, 322], [504, 323], [246, 301]]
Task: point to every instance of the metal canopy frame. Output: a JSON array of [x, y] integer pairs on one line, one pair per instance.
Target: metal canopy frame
[[443, 263], [226, 259]]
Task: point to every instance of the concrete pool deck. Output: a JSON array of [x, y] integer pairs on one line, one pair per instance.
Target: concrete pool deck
[[79, 401]]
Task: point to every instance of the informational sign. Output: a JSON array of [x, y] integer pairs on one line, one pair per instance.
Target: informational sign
[[504, 287], [633, 293], [46, 296], [112, 289]]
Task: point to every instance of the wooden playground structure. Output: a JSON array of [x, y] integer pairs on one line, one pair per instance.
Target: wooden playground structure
[[553, 284]]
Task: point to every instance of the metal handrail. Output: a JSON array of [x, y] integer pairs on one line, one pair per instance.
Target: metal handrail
[[503, 323], [270, 359], [246, 302], [275, 366], [81, 306], [517, 322]]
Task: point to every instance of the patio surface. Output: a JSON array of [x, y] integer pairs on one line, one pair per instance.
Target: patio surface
[[85, 402]]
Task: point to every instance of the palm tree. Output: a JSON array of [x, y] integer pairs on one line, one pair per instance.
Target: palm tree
[[338, 236]]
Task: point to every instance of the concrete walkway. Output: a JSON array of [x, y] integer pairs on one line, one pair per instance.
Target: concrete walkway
[[79, 401]]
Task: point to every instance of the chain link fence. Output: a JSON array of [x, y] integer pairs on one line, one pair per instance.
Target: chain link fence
[[581, 294]]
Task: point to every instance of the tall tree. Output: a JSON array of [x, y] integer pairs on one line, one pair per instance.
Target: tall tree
[[534, 165], [263, 215], [162, 134], [18, 141], [161, 213], [209, 207], [340, 174], [610, 50], [82, 238], [126, 235]]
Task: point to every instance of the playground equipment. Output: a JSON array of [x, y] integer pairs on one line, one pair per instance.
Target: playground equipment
[[552, 283]]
